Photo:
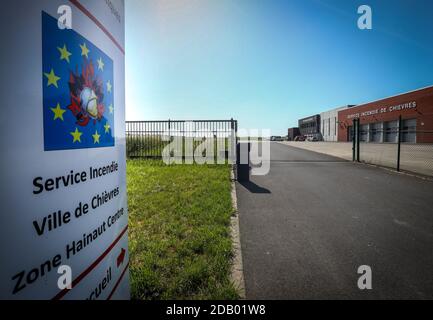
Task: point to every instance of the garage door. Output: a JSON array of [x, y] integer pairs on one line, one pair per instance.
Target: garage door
[[409, 130], [391, 131], [364, 133], [376, 132]]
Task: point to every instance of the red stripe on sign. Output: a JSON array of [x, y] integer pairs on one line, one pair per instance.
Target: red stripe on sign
[[96, 21], [118, 282], [62, 293]]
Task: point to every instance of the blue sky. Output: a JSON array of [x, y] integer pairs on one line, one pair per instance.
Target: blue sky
[[268, 63]]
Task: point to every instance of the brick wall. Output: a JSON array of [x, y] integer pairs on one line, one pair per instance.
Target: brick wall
[[413, 105]]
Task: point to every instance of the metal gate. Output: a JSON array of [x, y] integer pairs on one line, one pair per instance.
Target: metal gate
[[405, 145], [148, 139]]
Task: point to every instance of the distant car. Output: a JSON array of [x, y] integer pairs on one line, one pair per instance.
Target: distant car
[[276, 138], [299, 138], [312, 139]]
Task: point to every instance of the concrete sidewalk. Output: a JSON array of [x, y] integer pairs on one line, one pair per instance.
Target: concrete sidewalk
[[417, 158], [310, 223]]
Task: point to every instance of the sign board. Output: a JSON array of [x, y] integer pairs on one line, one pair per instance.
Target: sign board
[[63, 169], [382, 110]]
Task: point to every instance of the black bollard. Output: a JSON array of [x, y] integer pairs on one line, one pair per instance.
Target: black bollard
[[243, 161]]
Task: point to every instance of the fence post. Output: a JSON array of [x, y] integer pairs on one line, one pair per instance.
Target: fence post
[[233, 143], [353, 140], [169, 141], [400, 123], [358, 140]]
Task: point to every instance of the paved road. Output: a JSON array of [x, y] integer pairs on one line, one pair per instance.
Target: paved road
[[416, 158], [310, 223]]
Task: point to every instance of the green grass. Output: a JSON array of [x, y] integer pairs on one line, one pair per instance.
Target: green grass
[[152, 146], [179, 217]]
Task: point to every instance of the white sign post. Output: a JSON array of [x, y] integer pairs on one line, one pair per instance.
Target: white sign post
[[64, 216]]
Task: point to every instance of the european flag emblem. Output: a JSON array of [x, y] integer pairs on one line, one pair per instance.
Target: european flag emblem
[[78, 88]]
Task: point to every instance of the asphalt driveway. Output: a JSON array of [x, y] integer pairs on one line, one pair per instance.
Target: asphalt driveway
[[310, 223]]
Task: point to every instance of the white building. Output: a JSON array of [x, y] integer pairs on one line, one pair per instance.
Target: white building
[[329, 124]]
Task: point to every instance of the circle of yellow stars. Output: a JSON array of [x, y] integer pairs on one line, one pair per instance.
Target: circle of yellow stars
[[53, 79]]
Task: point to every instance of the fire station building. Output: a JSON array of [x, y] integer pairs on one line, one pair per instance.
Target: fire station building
[[379, 120]]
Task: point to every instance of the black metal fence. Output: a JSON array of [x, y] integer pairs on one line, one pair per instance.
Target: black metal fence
[[149, 139], [397, 145]]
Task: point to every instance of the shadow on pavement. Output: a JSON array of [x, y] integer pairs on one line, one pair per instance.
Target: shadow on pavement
[[253, 188]]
